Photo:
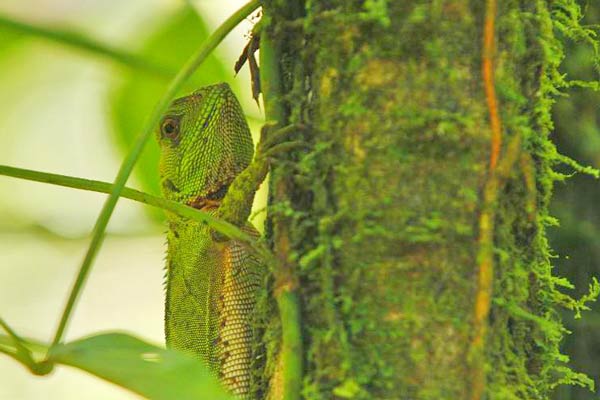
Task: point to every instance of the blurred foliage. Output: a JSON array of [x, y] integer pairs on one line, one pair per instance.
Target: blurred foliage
[[171, 44], [575, 204]]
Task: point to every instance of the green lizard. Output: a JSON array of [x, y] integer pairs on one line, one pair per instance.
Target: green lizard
[[212, 284]]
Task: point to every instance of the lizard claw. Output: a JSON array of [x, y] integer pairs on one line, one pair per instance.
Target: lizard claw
[[284, 146], [271, 139]]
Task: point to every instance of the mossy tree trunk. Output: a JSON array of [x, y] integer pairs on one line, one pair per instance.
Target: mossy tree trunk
[[415, 223]]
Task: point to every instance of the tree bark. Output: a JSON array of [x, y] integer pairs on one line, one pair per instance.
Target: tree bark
[[414, 225]]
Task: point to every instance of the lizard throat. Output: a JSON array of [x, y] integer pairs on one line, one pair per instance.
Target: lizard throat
[[210, 200]]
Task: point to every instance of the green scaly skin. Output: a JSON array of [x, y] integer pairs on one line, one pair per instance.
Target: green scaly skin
[[212, 284]]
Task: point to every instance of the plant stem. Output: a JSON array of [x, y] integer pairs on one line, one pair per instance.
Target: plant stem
[[285, 280], [221, 226], [22, 351]]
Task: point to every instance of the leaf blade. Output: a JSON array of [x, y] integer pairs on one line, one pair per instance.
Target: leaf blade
[[143, 368]]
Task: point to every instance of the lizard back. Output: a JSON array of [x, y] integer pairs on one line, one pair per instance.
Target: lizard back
[[211, 297]]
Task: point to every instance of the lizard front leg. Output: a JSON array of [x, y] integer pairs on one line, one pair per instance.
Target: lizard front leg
[[237, 203]]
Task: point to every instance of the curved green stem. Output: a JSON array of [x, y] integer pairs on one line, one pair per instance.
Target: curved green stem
[[127, 166], [81, 42], [17, 356], [21, 351], [36, 348], [285, 282], [217, 224]]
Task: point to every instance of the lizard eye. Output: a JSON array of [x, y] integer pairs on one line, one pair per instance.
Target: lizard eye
[[170, 127]]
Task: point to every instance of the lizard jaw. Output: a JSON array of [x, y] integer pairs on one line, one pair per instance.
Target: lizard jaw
[[209, 200]]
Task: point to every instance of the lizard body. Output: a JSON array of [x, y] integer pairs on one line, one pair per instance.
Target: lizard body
[[212, 285]]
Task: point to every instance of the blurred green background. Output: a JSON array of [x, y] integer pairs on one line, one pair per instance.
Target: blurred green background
[[67, 111]]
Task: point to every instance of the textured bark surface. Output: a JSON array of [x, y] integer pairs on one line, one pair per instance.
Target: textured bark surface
[[384, 213]]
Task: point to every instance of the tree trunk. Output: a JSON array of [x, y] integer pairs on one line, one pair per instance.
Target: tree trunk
[[415, 223]]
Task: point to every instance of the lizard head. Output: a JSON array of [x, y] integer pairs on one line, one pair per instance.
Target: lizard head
[[205, 142]]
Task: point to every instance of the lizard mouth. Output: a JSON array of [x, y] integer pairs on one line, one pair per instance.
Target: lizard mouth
[[209, 200]]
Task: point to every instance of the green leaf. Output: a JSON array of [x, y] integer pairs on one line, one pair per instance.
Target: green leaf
[[133, 100], [143, 368]]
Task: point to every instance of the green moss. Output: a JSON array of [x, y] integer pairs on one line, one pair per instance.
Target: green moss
[[376, 10], [527, 296], [384, 209]]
